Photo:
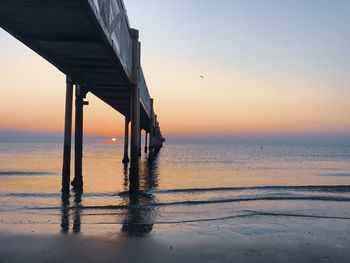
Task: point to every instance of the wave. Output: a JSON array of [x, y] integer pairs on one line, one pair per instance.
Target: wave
[[53, 195], [336, 174], [205, 202], [262, 213], [25, 173], [245, 215], [312, 188], [303, 188]]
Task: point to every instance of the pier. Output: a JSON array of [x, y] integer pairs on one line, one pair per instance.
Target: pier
[[92, 43]]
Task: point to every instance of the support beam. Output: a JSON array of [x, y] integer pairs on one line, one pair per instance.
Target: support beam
[[135, 114], [126, 159], [135, 138], [156, 134], [151, 133], [146, 133], [79, 104], [140, 141], [67, 136]]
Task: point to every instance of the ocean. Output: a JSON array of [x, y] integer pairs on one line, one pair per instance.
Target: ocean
[[188, 186]]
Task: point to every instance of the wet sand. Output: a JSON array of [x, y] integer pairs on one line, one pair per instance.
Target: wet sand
[[253, 240]]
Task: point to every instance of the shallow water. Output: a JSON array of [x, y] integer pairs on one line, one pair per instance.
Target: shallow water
[[188, 186]]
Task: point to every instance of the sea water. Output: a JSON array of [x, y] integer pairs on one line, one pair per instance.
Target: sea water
[[188, 185]]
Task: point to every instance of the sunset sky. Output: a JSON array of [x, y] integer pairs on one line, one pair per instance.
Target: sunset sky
[[269, 67]]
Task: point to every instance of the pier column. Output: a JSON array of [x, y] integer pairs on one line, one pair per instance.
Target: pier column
[[156, 134], [151, 133], [67, 136], [135, 140], [78, 154], [146, 133], [126, 159], [140, 141], [135, 113]]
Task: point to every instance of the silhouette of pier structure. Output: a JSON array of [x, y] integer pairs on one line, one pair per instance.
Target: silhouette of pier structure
[[91, 42]]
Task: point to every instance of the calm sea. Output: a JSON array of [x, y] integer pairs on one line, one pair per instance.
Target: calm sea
[[188, 184]]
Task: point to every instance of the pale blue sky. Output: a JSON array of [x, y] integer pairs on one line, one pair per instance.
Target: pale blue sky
[[298, 37], [298, 51]]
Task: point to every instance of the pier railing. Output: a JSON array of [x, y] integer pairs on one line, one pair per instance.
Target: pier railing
[[145, 98], [114, 21], [112, 17]]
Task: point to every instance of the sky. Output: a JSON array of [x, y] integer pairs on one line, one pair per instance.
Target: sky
[[269, 67]]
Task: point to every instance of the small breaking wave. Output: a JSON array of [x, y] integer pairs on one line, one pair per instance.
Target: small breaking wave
[[311, 188], [25, 173], [278, 189], [273, 214], [230, 217], [336, 174], [53, 195], [206, 202]]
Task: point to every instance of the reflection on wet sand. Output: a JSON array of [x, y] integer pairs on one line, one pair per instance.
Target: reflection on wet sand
[[139, 218], [65, 212], [126, 177], [77, 212]]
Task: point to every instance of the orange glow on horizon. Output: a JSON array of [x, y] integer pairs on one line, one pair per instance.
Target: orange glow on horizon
[[225, 101]]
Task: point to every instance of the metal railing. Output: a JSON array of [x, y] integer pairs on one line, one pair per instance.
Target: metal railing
[[144, 94], [112, 17]]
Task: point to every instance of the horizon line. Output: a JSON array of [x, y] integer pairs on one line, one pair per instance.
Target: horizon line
[[302, 132], [339, 137]]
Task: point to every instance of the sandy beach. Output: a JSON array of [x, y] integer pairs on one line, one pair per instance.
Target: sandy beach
[[256, 240]]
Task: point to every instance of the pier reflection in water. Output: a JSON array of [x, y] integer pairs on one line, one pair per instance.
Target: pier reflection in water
[[140, 216], [76, 212], [138, 213]]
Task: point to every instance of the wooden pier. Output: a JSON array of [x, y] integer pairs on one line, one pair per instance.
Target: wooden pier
[[91, 42]]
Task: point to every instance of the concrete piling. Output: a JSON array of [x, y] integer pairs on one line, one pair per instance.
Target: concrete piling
[[146, 135], [126, 159], [135, 114], [67, 136], [78, 154]]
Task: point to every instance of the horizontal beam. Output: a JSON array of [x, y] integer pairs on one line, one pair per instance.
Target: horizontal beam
[[120, 88], [65, 40], [116, 97], [105, 67]]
